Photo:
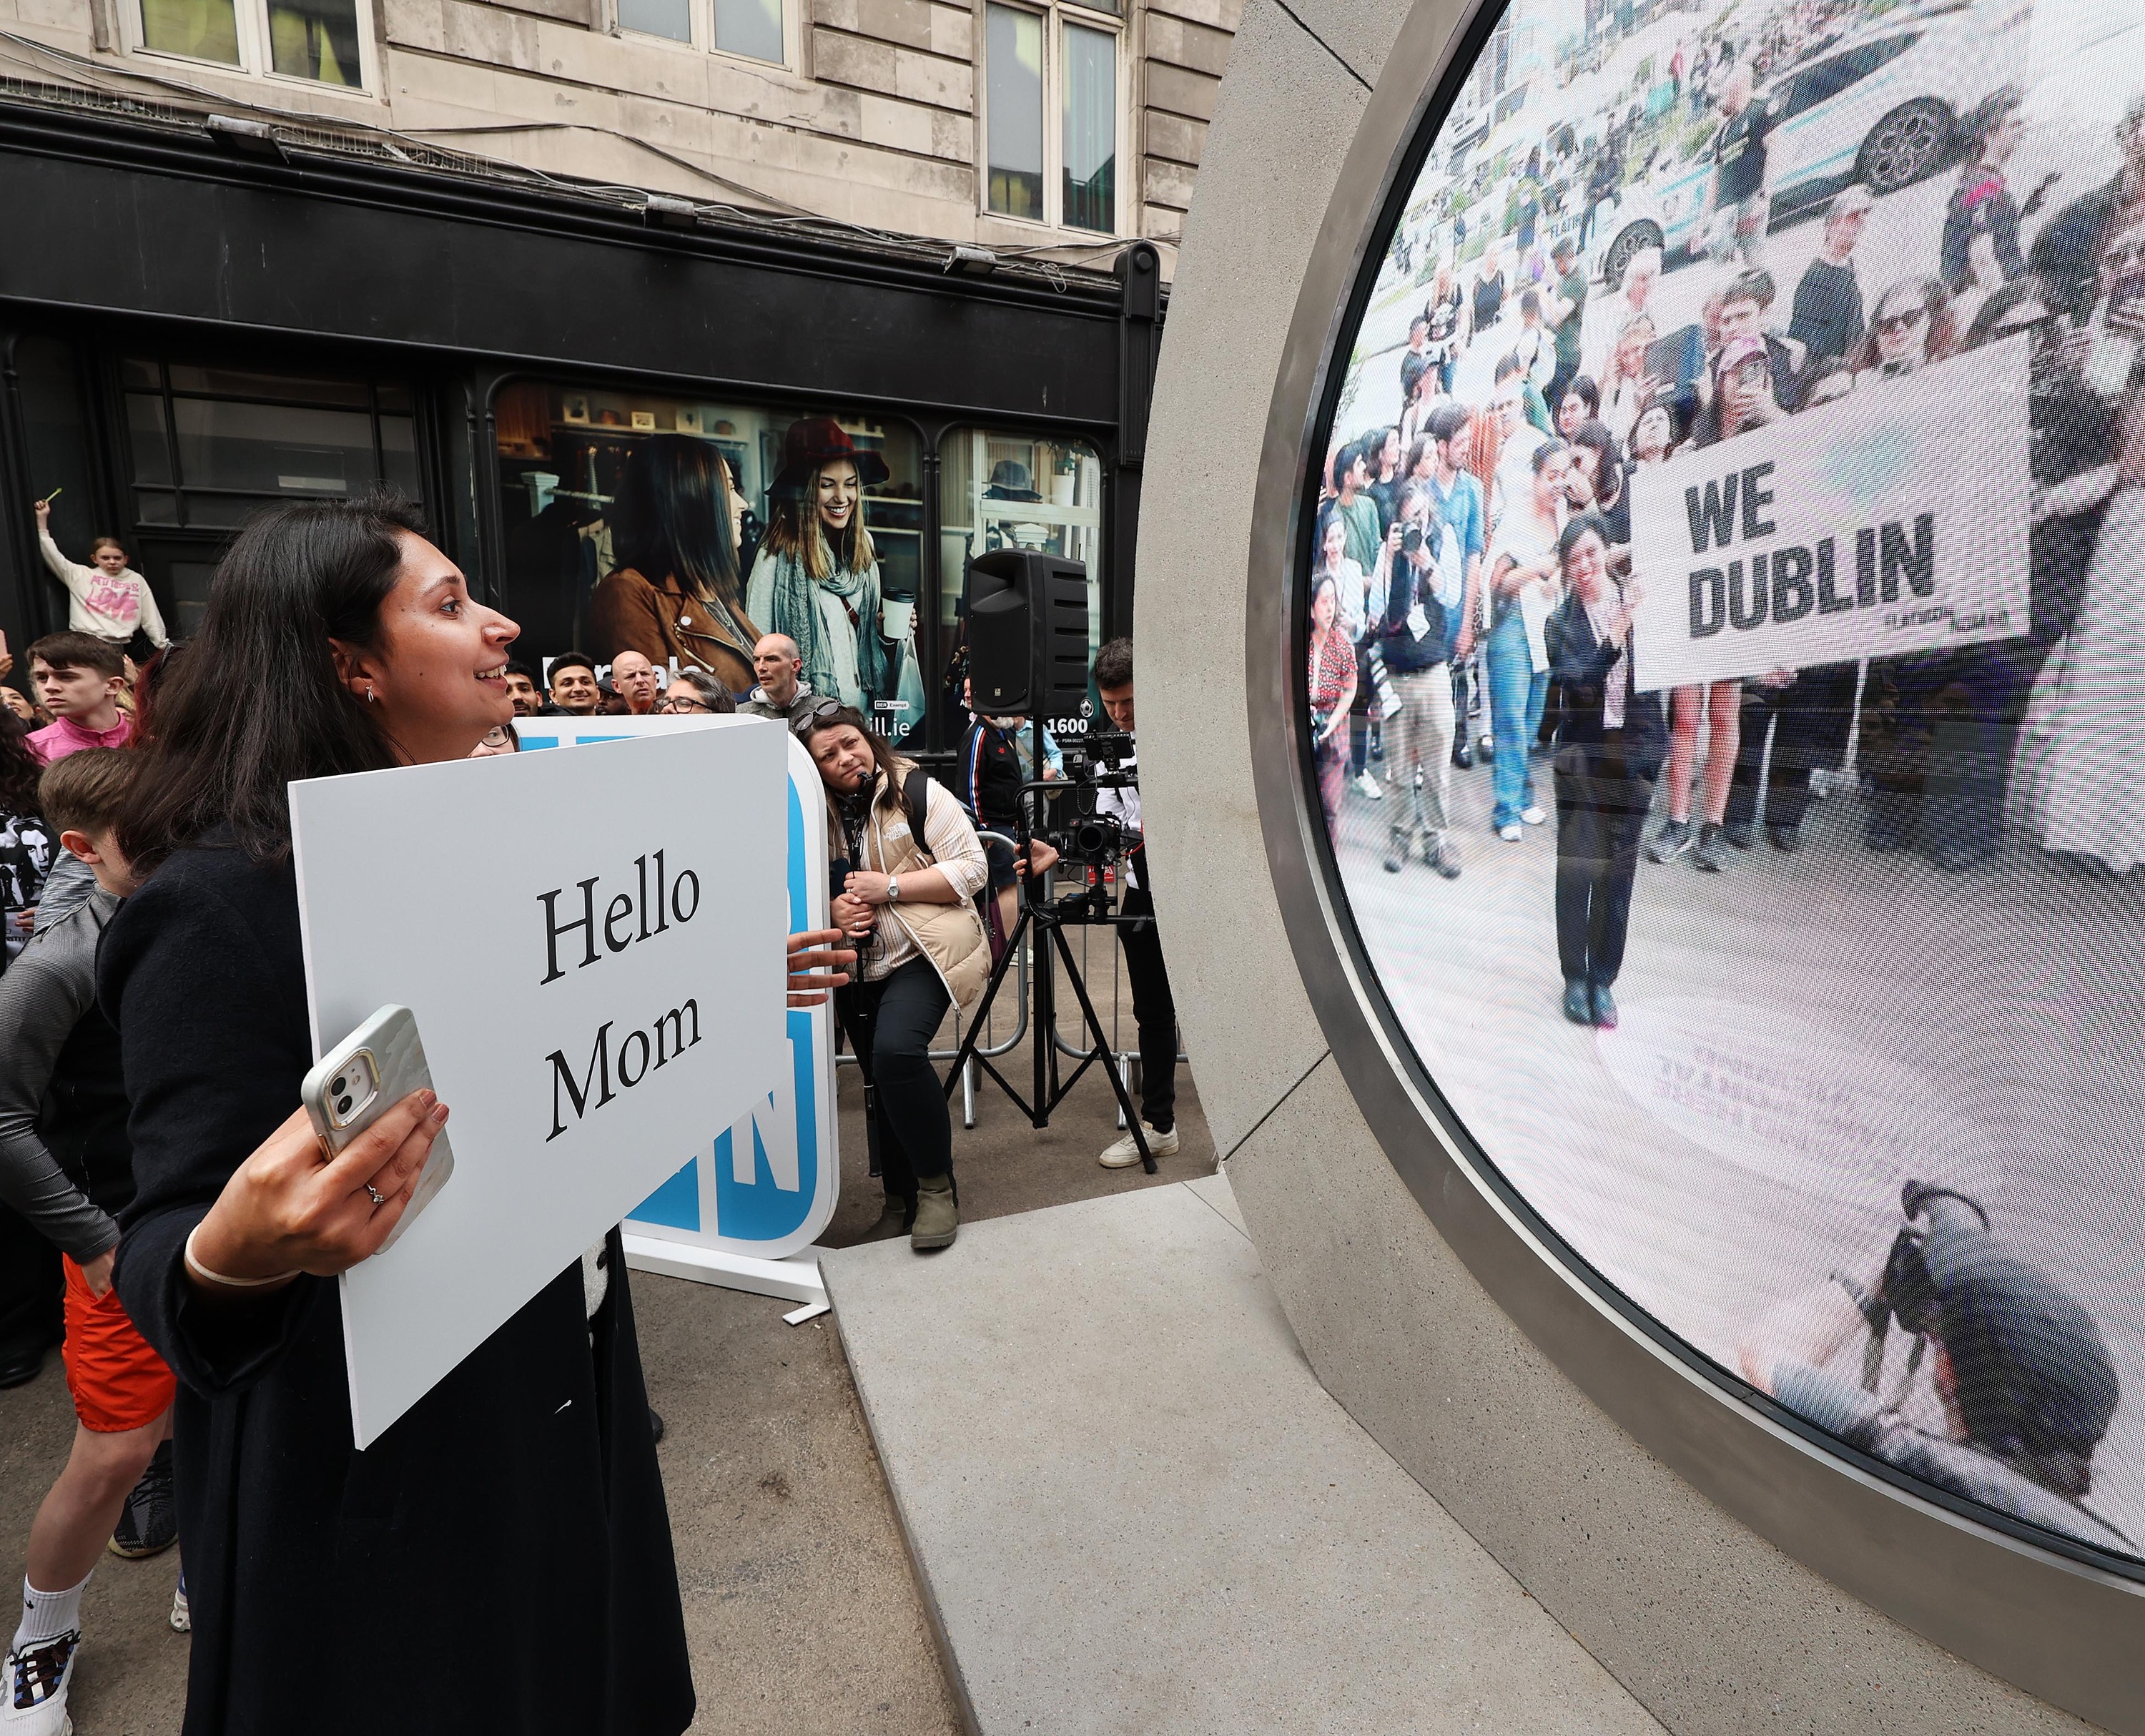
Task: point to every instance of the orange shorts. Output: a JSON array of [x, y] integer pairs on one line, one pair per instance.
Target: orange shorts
[[118, 1382]]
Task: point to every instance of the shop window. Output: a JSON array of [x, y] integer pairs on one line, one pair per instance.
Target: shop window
[[1001, 491], [321, 42], [584, 472], [754, 29], [1051, 107], [209, 446]]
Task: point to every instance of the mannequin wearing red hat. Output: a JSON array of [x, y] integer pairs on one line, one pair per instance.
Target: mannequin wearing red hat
[[817, 578]]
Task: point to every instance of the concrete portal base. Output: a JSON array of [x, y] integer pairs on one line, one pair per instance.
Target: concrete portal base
[[1133, 1508]]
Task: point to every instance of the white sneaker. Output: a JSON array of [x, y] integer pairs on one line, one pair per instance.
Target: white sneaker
[[1533, 816], [1510, 834], [1367, 785], [1123, 1154], [38, 1676], [182, 1614]]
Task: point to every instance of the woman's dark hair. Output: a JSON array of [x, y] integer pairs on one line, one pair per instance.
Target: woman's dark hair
[[1412, 369], [813, 723], [1549, 450], [19, 767], [672, 518], [1578, 526], [1582, 387], [256, 702], [1608, 468], [150, 681]]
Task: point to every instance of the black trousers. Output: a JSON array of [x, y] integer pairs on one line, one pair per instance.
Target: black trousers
[[1810, 718], [1942, 767], [1154, 1010], [1601, 816], [30, 1289], [891, 1023]]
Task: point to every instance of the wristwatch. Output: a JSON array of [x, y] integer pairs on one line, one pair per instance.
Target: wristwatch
[[894, 888]]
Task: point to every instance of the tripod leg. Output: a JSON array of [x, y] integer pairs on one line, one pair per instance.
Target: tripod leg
[[980, 1017], [1102, 1040]]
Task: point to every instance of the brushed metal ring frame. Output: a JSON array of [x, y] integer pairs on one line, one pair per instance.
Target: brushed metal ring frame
[[2055, 1620]]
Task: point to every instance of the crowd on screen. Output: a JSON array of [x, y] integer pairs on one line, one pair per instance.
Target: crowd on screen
[[1471, 586]]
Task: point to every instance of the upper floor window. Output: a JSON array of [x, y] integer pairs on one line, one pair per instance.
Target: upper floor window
[[1050, 115], [323, 41], [756, 29]]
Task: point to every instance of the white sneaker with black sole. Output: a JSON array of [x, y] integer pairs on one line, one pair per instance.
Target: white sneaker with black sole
[[38, 1677], [1123, 1154]]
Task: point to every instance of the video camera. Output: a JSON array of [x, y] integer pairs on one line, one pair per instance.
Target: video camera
[[1069, 817]]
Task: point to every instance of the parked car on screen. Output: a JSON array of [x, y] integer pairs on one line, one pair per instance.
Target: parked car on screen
[[1880, 106]]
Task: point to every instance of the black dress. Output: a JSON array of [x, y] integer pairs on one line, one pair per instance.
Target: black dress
[[499, 1560]]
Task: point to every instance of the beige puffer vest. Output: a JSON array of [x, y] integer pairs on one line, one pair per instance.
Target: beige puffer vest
[[951, 935]]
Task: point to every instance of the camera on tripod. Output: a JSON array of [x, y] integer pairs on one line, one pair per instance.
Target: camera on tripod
[[1028, 657], [1075, 826]]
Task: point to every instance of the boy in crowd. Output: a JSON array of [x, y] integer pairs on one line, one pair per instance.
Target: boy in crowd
[[65, 1166], [79, 679], [107, 599]]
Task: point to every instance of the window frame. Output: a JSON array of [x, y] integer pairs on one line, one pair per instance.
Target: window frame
[[700, 17], [256, 51], [1056, 15]]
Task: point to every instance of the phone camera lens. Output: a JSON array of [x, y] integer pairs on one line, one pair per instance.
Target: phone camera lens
[[341, 1085], [342, 1106]]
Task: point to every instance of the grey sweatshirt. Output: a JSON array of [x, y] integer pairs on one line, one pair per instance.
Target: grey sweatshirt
[[46, 989]]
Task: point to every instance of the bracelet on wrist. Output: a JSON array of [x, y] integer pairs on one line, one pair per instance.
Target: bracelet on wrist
[[208, 1276]]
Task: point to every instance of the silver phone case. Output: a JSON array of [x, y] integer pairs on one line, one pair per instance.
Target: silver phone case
[[390, 1037]]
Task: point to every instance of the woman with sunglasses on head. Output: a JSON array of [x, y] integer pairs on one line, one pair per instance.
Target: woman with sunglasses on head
[[910, 867], [338, 640]]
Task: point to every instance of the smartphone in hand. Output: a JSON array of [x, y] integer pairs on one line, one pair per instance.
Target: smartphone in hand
[[363, 1077]]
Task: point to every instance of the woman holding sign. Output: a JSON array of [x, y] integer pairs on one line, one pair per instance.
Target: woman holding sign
[[1610, 743], [500, 1558]]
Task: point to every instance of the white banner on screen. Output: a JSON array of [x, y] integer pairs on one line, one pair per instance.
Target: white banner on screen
[[592, 944], [1891, 521], [766, 1186]]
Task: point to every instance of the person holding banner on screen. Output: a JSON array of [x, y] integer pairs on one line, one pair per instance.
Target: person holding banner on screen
[[337, 640], [1610, 743]]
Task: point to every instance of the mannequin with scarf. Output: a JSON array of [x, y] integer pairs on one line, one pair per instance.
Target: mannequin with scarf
[[816, 577]]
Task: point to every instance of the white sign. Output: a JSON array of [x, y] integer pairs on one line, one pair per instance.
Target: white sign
[[1891, 521], [592, 944], [768, 1185]]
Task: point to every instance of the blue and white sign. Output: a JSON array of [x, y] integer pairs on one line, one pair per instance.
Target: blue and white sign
[[768, 1185]]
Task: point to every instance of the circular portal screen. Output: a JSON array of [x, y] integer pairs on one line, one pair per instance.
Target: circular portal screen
[[1726, 665]]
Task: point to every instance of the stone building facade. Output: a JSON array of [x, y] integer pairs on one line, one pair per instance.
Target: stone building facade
[[1055, 127]]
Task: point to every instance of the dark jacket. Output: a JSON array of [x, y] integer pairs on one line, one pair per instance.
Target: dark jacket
[[1580, 664], [500, 1559], [989, 786], [2066, 254]]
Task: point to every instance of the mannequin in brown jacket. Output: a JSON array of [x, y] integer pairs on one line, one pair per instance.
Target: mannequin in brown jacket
[[674, 594]]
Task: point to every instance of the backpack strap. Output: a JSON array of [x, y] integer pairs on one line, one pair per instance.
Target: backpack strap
[[915, 796]]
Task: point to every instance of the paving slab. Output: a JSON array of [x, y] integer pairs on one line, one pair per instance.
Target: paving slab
[[1133, 1509]]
